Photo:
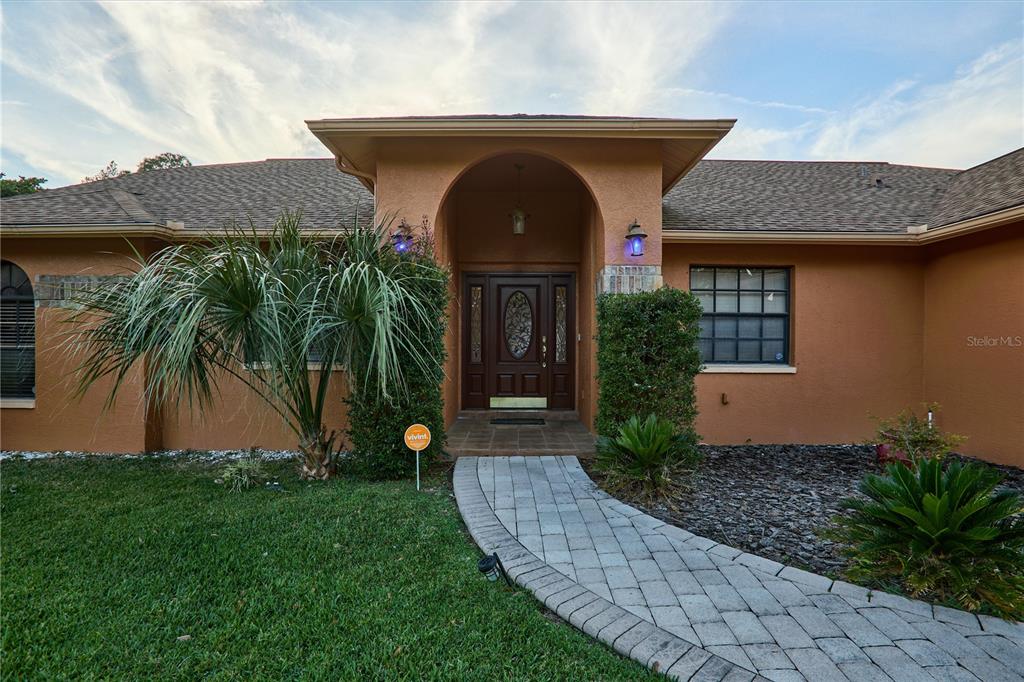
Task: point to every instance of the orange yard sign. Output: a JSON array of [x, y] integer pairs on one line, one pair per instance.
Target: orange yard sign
[[417, 437]]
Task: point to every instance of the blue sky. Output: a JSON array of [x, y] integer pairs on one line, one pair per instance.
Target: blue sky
[[938, 84]]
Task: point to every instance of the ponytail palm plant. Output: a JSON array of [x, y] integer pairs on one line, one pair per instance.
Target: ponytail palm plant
[[257, 309]]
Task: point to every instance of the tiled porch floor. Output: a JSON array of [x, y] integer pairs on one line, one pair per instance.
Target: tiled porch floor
[[473, 434]]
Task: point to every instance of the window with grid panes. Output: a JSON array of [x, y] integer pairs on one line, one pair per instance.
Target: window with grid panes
[[746, 314], [17, 333]]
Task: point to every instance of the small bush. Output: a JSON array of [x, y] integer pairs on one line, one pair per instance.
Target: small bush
[[945, 535], [647, 456], [908, 437], [377, 425], [243, 473], [647, 355]]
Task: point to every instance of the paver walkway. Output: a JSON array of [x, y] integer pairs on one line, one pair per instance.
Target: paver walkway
[[696, 609]]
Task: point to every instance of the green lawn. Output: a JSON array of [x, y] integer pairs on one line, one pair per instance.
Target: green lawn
[[142, 569]]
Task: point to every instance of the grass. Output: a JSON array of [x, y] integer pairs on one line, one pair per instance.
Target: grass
[[150, 569]]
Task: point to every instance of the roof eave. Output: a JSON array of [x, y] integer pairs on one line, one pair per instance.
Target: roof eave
[[909, 238], [518, 127], [171, 232], [342, 135]]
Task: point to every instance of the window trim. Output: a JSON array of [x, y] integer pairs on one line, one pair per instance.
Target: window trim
[[747, 366], [29, 300]]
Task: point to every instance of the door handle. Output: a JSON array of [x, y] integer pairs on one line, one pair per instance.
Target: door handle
[[544, 351]]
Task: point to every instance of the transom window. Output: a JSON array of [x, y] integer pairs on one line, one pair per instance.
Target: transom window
[[746, 313], [17, 333]]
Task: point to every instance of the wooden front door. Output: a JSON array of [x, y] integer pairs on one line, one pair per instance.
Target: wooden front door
[[519, 341]]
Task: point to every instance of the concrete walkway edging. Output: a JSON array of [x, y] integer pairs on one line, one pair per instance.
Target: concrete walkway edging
[[688, 606], [585, 610]]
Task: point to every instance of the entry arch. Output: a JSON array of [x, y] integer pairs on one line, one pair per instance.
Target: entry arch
[[554, 263]]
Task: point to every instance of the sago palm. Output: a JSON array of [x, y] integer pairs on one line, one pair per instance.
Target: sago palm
[[647, 454], [948, 534], [256, 308]]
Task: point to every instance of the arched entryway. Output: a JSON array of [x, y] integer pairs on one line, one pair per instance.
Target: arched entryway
[[522, 335]]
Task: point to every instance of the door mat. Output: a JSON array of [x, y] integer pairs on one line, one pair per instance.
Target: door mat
[[518, 421]]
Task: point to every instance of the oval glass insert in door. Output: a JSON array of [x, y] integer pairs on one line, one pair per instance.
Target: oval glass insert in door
[[518, 325]]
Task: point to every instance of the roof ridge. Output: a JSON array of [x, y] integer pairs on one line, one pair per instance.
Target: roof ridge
[[998, 158], [131, 205], [821, 162]]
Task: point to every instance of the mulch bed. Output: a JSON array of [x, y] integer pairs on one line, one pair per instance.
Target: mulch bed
[[772, 500]]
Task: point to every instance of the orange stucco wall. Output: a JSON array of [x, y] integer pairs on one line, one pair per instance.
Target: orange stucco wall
[[56, 422], [242, 419], [624, 178], [877, 330], [856, 332], [874, 329], [974, 340]]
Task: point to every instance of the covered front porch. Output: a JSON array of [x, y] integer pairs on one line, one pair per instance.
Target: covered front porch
[[531, 215]]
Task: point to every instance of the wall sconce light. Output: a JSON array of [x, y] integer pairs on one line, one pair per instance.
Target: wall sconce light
[[492, 567], [635, 237], [401, 239]]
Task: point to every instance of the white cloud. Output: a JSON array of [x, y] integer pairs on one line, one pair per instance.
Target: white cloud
[[977, 115], [748, 142], [235, 81], [226, 82]]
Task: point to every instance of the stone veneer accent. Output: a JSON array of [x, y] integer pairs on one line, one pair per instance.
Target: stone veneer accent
[[59, 291], [628, 279]]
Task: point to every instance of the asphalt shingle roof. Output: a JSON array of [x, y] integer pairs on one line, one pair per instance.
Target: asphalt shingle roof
[[203, 197], [992, 186], [804, 196]]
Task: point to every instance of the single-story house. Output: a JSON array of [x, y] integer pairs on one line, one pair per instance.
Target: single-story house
[[834, 292]]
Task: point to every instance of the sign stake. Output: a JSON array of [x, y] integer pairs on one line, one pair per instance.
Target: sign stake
[[417, 438]]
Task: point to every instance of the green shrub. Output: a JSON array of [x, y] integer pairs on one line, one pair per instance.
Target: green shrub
[[946, 535], [243, 473], [376, 424], [647, 356], [646, 456], [910, 437]]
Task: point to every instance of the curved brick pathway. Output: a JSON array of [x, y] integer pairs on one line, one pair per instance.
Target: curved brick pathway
[[695, 609]]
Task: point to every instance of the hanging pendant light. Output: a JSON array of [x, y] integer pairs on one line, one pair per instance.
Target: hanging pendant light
[[518, 215]]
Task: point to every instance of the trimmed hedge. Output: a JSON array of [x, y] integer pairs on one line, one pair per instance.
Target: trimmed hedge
[[647, 358], [377, 426]]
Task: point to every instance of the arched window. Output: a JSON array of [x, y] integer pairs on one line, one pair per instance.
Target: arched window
[[17, 333]]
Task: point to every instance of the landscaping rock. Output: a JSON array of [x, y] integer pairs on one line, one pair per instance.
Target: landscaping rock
[[774, 500]]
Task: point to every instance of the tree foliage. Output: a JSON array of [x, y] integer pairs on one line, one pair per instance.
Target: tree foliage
[[106, 173], [377, 425], [23, 185], [161, 161], [254, 309]]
